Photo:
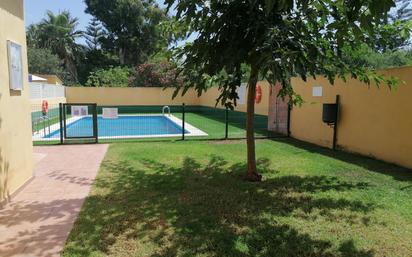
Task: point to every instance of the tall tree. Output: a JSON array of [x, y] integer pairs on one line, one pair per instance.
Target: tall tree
[[403, 10], [58, 33], [132, 27], [397, 22], [94, 34], [94, 57], [277, 39]]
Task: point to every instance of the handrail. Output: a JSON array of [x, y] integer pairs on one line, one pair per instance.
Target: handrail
[[41, 119], [164, 108]]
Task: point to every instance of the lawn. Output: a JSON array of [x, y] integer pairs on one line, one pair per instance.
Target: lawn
[[189, 199]]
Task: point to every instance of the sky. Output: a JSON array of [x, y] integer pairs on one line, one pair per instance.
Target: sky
[[35, 10]]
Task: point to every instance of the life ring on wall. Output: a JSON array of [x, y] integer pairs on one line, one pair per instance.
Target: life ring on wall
[[45, 107], [258, 97]]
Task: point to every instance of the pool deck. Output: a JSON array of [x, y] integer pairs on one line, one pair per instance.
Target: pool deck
[[38, 220]]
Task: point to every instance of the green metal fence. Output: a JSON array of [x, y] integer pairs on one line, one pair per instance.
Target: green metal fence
[[142, 123]]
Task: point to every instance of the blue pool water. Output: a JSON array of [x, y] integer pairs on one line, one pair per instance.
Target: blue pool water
[[122, 126]]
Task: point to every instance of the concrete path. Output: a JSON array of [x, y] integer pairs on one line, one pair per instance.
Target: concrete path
[[39, 218]]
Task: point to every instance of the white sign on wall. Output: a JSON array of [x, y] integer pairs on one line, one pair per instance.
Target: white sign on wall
[[317, 91], [15, 65], [241, 92], [79, 110], [110, 113]]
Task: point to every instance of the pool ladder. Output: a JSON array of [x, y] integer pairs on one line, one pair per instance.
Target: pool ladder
[[46, 124], [164, 108]]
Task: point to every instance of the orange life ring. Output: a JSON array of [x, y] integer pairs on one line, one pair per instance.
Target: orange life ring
[[258, 97], [45, 107]]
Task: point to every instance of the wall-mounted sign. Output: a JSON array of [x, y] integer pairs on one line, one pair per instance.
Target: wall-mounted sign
[[15, 65], [110, 113], [241, 92], [79, 110], [317, 91]]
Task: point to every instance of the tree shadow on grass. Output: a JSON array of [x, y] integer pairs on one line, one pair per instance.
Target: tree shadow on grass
[[196, 209], [371, 164]]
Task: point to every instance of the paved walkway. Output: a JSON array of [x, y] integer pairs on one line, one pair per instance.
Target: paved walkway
[[39, 218]]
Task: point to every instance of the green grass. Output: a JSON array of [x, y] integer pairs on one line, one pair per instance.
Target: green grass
[[39, 126], [53, 116], [214, 124], [189, 199]]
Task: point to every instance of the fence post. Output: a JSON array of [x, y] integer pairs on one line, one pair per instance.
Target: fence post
[[288, 124], [183, 121], [95, 125], [335, 126], [61, 122], [64, 121], [227, 123]]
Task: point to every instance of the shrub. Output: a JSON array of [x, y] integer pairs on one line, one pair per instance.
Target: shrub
[[367, 57], [112, 77], [155, 74]]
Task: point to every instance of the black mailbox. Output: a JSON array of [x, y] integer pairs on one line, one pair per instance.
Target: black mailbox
[[330, 113]]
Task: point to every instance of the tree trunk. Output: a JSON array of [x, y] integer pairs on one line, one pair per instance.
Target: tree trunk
[[252, 174], [122, 55]]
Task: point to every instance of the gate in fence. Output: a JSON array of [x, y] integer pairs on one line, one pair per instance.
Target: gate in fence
[[78, 122]]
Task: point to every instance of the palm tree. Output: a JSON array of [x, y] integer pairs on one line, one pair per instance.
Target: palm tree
[[32, 35], [59, 34]]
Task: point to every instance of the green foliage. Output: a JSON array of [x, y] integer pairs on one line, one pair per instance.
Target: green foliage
[[132, 27], [174, 30], [393, 35], [43, 61], [94, 57], [112, 77], [58, 33], [33, 36], [398, 23], [156, 74], [94, 34], [94, 60], [277, 40], [369, 58], [121, 33]]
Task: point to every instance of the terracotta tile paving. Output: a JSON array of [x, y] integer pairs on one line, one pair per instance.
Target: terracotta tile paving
[[39, 218]]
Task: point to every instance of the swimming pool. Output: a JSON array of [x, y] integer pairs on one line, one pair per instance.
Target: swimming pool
[[126, 126]]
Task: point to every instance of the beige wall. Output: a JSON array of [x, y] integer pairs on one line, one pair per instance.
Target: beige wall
[[15, 127], [374, 122], [209, 99], [127, 96], [154, 96]]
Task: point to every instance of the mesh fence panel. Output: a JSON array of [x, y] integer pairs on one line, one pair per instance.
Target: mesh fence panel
[[44, 123], [209, 120], [237, 125]]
